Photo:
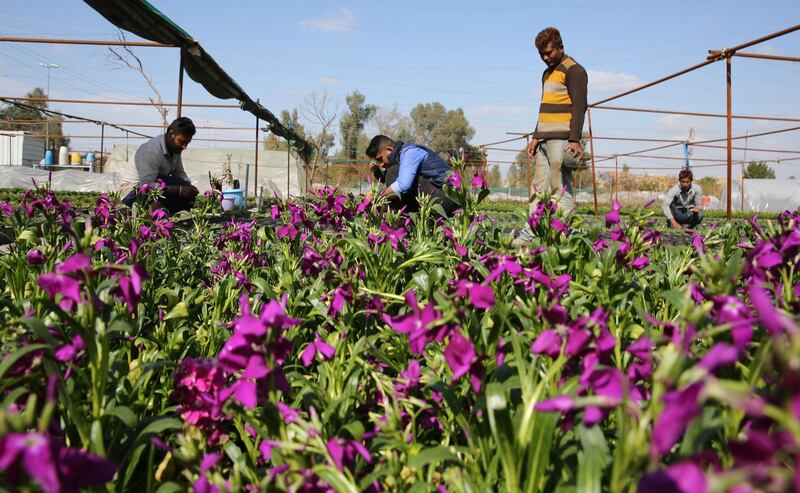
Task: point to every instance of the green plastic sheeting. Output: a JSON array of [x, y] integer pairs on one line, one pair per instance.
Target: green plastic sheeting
[[146, 21]]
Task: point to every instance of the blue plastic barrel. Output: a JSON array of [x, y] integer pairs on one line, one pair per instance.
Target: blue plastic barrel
[[49, 158], [237, 194]]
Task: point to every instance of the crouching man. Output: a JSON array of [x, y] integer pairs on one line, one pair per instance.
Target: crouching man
[[683, 203], [408, 170], [160, 159]]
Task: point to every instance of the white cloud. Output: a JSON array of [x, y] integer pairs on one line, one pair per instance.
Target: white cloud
[[342, 20], [610, 81], [331, 81], [679, 126]]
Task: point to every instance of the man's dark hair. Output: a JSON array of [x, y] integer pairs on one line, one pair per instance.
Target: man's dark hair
[[686, 173], [548, 35], [182, 126], [378, 144]]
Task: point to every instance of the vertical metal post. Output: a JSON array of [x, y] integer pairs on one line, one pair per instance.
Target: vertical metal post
[[102, 143], [527, 145], [485, 160], [728, 116], [288, 164], [591, 150], [180, 85], [255, 177], [744, 160], [616, 178], [246, 182]]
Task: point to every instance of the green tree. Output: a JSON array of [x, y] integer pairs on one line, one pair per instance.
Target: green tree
[[494, 177], [289, 119], [351, 126], [518, 172], [759, 170], [441, 129], [13, 118]]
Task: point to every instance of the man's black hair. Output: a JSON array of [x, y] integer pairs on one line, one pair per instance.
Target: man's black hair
[[686, 173], [182, 126], [378, 144]]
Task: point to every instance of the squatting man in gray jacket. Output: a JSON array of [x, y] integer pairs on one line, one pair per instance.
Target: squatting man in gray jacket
[[683, 203]]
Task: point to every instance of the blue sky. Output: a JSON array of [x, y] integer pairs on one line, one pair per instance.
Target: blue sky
[[474, 55]]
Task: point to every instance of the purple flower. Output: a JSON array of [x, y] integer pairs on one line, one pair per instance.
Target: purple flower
[[640, 263], [772, 320], [480, 296], [478, 181], [680, 408], [55, 468], [548, 343], [720, 354], [198, 391], [130, 286], [454, 180], [6, 209], [683, 477], [558, 225], [35, 257], [288, 413], [67, 287], [460, 357], [344, 451], [69, 352], [561, 404], [641, 348], [417, 324], [318, 346], [613, 216]]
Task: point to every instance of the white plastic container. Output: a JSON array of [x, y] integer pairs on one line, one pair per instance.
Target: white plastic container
[[63, 156]]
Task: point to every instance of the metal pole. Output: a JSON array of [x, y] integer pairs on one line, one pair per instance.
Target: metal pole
[[769, 57], [102, 143], [744, 160], [528, 140], [730, 170], [288, 159], [255, 173], [123, 103], [591, 150], [180, 85], [616, 178], [694, 113], [85, 42]]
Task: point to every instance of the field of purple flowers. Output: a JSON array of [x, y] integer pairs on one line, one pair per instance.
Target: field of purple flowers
[[351, 348]]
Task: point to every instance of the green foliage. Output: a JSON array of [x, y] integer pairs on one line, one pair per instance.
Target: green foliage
[[351, 126], [12, 112], [759, 170], [439, 128]]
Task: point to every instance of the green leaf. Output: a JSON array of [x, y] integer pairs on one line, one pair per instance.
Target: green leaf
[[335, 479], [12, 358], [592, 458], [433, 455], [178, 311], [503, 433], [124, 414], [169, 487]]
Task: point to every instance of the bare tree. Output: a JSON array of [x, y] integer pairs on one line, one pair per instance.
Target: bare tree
[[392, 123], [321, 113], [131, 61]]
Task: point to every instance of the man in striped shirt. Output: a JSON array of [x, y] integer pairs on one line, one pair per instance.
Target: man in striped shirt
[[556, 143]]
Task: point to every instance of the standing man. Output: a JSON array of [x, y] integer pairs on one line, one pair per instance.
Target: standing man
[[556, 144], [683, 202], [160, 159], [408, 170]]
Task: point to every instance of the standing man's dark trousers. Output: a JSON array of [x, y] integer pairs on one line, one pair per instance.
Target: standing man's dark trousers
[[410, 199], [685, 218]]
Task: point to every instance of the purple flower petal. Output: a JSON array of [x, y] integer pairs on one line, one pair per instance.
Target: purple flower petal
[[548, 343], [683, 477], [720, 354], [680, 409], [481, 296], [459, 355], [561, 403]]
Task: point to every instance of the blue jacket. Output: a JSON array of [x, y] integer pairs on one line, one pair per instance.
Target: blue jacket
[[416, 159]]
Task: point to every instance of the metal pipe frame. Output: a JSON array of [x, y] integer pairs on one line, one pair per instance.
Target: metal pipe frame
[[148, 44], [123, 103]]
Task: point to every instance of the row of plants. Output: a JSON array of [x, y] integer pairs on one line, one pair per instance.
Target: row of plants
[[348, 347]]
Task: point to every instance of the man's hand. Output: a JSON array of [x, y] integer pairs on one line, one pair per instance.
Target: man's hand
[[187, 192], [695, 209], [676, 224], [532, 145], [575, 149]]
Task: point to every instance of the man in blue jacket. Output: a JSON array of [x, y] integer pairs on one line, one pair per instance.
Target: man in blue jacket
[[408, 170]]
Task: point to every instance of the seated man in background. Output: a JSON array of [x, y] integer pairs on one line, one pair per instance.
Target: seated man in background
[[683, 202], [408, 170], [160, 159]]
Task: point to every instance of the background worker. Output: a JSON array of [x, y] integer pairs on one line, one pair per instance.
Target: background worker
[[160, 159]]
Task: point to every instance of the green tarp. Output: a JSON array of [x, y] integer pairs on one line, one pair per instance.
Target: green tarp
[[144, 20]]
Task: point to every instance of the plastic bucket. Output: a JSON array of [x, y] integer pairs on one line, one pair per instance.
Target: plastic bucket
[[63, 156], [75, 158], [228, 203], [48, 157], [237, 194]]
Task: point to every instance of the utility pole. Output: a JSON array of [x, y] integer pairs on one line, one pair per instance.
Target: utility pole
[[48, 66]]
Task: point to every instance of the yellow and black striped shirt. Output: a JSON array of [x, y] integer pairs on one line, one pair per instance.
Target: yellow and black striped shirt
[[563, 102]]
